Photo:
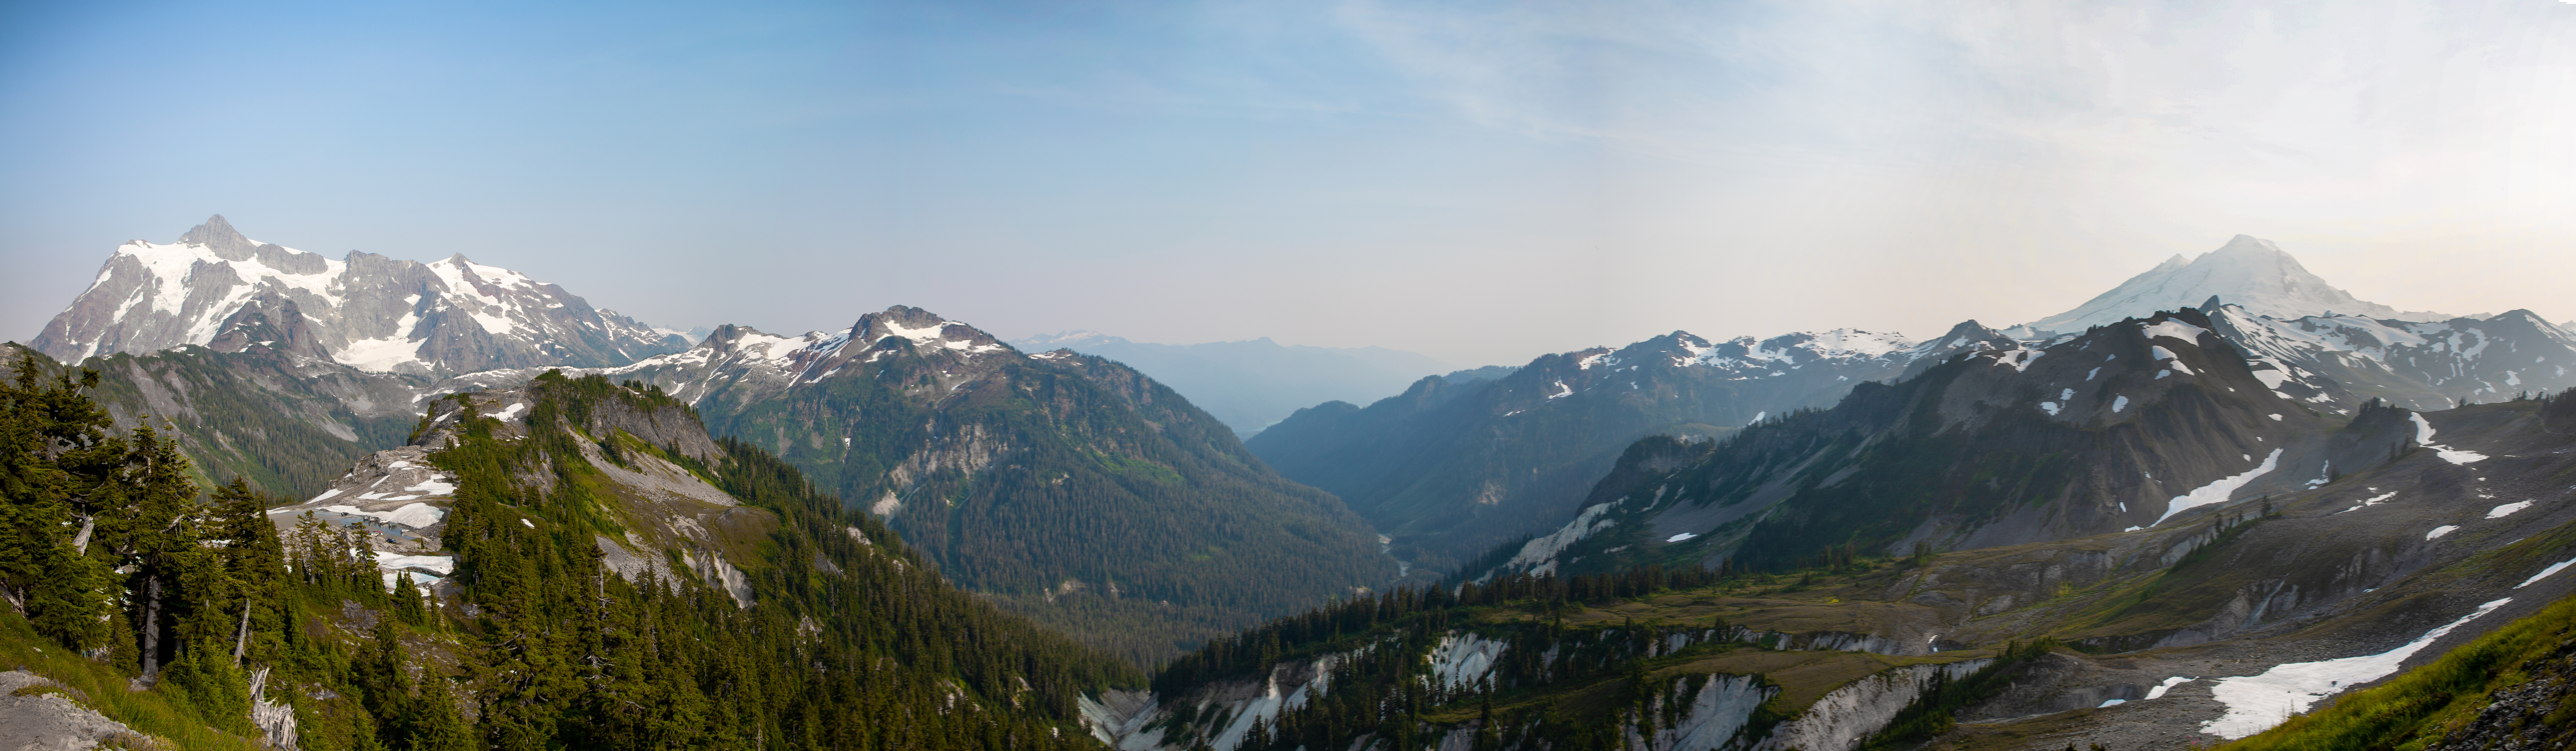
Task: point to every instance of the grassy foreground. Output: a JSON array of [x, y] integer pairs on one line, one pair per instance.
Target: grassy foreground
[[2420, 706], [171, 723]]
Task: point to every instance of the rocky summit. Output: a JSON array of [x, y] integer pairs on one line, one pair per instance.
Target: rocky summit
[[364, 310]]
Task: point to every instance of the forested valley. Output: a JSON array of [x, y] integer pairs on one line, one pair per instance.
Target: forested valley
[[186, 613]]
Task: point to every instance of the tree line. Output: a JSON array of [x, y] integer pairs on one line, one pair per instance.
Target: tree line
[[108, 548]]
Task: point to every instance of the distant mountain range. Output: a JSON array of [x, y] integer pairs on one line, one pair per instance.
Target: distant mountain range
[[1449, 469], [1453, 466], [1255, 383]]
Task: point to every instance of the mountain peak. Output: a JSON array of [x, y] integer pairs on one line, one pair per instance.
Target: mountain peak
[[218, 235], [2247, 271], [2248, 245]]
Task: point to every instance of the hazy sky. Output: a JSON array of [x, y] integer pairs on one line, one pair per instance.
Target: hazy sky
[[1480, 181]]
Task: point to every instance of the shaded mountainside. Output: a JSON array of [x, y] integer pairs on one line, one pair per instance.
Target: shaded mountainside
[[2216, 624], [285, 423], [364, 310], [1452, 467], [1069, 486], [2124, 426], [1253, 384]]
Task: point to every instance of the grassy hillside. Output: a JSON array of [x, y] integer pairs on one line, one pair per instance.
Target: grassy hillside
[[2432, 706]]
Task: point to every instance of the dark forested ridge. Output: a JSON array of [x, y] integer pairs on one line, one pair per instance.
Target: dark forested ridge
[[850, 641]]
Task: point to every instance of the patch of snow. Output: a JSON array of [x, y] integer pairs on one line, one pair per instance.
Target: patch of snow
[[386, 353], [2256, 703], [1568, 391], [2217, 492], [1680, 537], [2160, 689], [2506, 510], [2424, 435], [2019, 359], [413, 515], [2112, 703], [2440, 531], [2088, 375], [433, 486], [2544, 573], [2119, 403], [2276, 417], [438, 563], [2048, 407], [2175, 329]]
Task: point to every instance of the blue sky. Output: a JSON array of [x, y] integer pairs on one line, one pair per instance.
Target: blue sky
[[1477, 181]]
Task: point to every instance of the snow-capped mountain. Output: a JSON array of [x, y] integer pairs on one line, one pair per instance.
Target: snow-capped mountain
[[2341, 359], [364, 310], [1450, 469], [2248, 271]]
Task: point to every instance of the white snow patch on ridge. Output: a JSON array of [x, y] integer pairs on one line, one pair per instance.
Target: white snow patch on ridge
[[413, 515], [2217, 492], [2544, 573], [2255, 703], [2424, 435], [2506, 510], [2175, 329], [2019, 359]]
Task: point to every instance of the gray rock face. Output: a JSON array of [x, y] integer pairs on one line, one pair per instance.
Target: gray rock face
[[364, 310], [48, 720]]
